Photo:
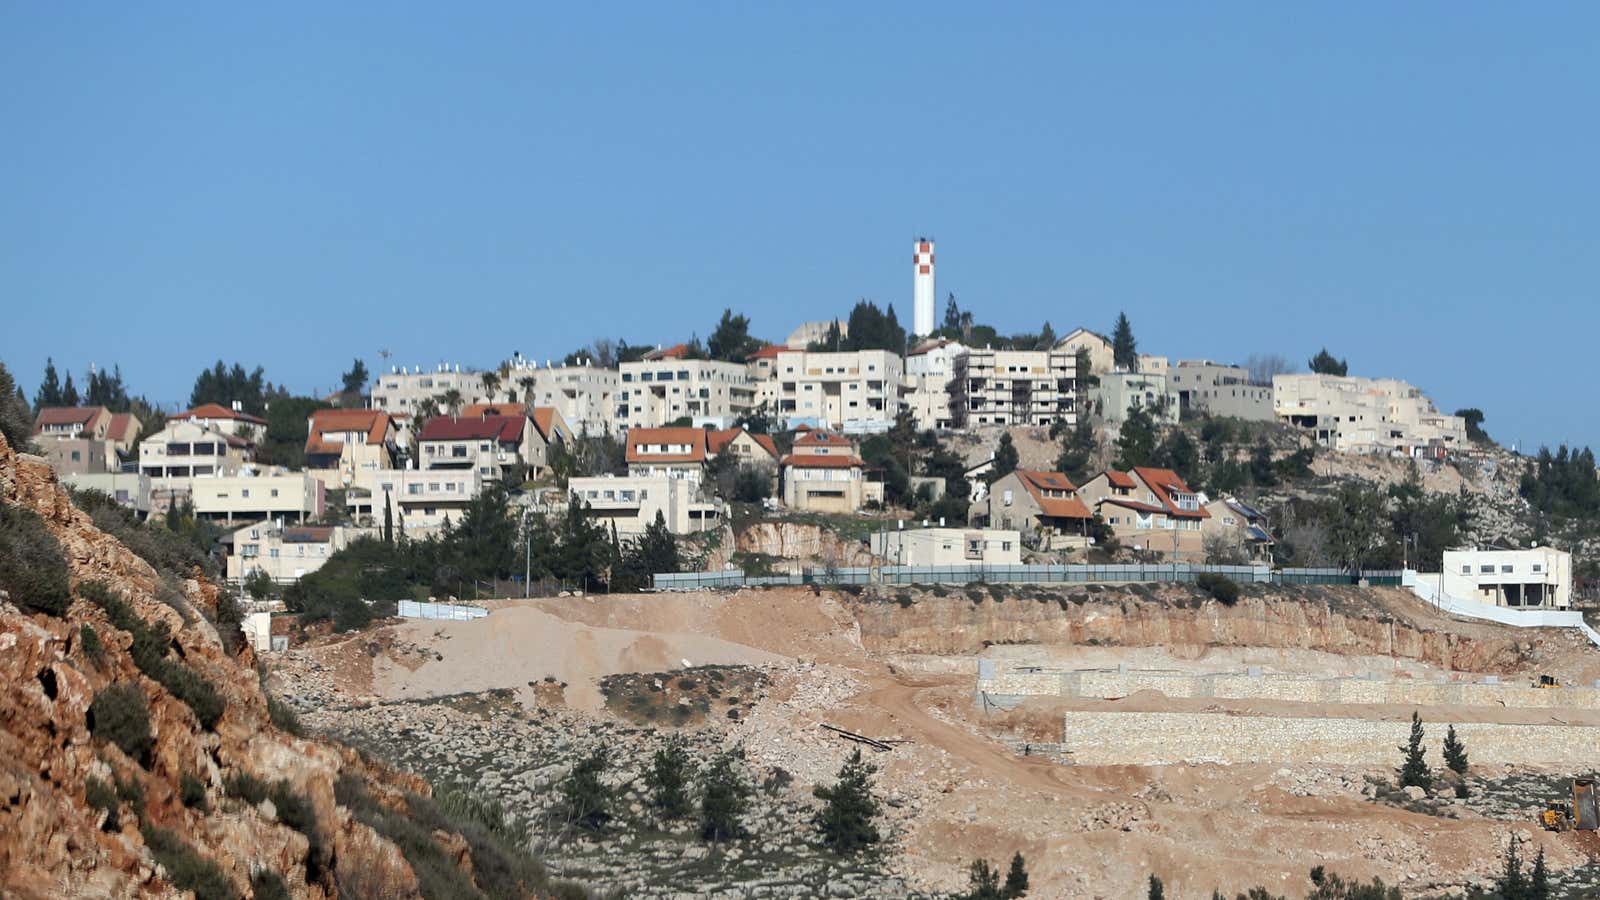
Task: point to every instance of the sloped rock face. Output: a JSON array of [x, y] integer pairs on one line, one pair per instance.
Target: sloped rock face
[[53, 843], [801, 541], [1342, 621]]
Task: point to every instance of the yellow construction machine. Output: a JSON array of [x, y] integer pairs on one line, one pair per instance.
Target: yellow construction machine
[[1581, 814]]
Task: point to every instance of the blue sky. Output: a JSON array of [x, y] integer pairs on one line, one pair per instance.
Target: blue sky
[[291, 185]]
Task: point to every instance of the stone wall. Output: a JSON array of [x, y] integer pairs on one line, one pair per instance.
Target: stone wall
[[1097, 684], [1144, 739]]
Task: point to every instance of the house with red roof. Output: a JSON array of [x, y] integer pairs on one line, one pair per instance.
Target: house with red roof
[[84, 440], [221, 418], [824, 473], [342, 442], [489, 445], [1150, 509], [679, 452], [743, 447], [1045, 506]]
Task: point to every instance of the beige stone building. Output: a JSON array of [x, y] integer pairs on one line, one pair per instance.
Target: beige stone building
[[1537, 577], [187, 449], [404, 390], [823, 473], [925, 387], [948, 547], [1150, 509], [842, 391], [1014, 387], [286, 553], [664, 387], [810, 332], [1043, 505], [585, 396], [290, 496], [630, 503], [221, 418], [1119, 392], [130, 489], [679, 453], [1238, 529], [1202, 386], [490, 445], [85, 439], [419, 500], [1367, 415], [1101, 357], [342, 442]]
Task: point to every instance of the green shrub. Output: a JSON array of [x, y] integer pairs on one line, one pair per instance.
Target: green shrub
[[192, 791], [166, 551], [846, 818], [89, 643], [151, 643], [246, 787], [100, 795], [131, 792], [187, 869], [197, 693], [283, 716], [121, 714], [266, 885], [33, 570], [1220, 587]]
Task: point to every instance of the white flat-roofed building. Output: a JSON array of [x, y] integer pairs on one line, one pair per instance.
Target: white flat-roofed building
[[631, 503], [664, 387], [294, 496], [1539, 577], [1014, 387], [403, 390], [419, 498], [948, 547], [1366, 415], [841, 389]]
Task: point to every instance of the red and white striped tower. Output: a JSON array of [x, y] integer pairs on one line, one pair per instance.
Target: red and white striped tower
[[922, 287]]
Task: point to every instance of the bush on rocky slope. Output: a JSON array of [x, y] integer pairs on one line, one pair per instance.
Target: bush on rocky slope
[[121, 714], [33, 570]]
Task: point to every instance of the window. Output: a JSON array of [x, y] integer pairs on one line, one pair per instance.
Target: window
[[244, 492], [273, 553], [1538, 567], [274, 492], [1486, 570], [1506, 570], [1006, 498], [1466, 570]]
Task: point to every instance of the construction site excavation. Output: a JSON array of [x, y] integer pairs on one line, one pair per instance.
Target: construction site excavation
[[1105, 732]]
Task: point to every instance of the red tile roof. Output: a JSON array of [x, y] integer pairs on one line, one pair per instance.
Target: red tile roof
[[1120, 479], [1037, 483], [216, 411], [479, 410], [695, 438], [1162, 483], [123, 427], [717, 441], [813, 461], [544, 419], [770, 351], [813, 438], [676, 351], [67, 415], [505, 429], [375, 422], [766, 441]]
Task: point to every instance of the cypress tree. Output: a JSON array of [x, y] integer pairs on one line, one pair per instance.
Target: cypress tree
[[1157, 890], [1539, 881], [1017, 878], [1455, 752], [49, 393], [668, 779], [723, 798], [1414, 768], [845, 820], [1124, 349]]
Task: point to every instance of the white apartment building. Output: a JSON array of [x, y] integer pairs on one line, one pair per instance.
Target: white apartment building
[[402, 390], [1202, 386], [654, 392], [286, 553], [221, 418], [843, 390], [130, 489], [342, 442], [1536, 577], [925, 386], [630, 503], [419, 500], [488, 444], [294, 496], [1366, 415], [584, 395], [1118, 392], [1014, 387], [678, 453], [185, 450], [948, 547]]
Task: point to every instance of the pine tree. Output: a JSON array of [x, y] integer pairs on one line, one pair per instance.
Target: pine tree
[[1512, 885], [723, 798], [845, 819], [668, 779], [1326, 363], [1017, 877], [1124, 349], [49, 393], [69, 393], [1157, 890], [1077, 451], [1414, 769], [1455, 752], [983, 882], [1136, 440], [16, 421], [585, 798], [1539, 880], [1005, 459]]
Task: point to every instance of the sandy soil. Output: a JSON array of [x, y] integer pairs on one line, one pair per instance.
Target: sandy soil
[[1086, 831]]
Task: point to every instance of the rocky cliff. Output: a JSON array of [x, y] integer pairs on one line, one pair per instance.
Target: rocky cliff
[[238, 809]]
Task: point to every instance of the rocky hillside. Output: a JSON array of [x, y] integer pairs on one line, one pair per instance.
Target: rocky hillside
[[139, 757]]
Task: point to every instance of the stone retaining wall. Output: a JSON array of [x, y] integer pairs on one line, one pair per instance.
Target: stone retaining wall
[[1106, 684], [1134, 738]]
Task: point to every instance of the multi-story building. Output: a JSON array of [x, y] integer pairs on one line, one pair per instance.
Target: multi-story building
[[1044, 505], [418, 500], [743, 448], [664, 387], [1118, 392], [925, 386], [823, 473], [221, 418], [187, 449], [1101, 357], [550, 429], [488, 445], [292, 496], [584, 395], [1366, 415], [1151, 510], [85, 439], [679, 453], [130, 489], [630, 504], [1014, 387], [404, 390], [286, 553], [1202, 386], [342, 442], [1536, 577], [811, 332], [846, 390]]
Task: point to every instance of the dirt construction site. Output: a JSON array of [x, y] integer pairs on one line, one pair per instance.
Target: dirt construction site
[[1106, 733]]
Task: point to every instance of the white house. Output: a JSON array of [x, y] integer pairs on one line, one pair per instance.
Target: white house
[[1536, 577]]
